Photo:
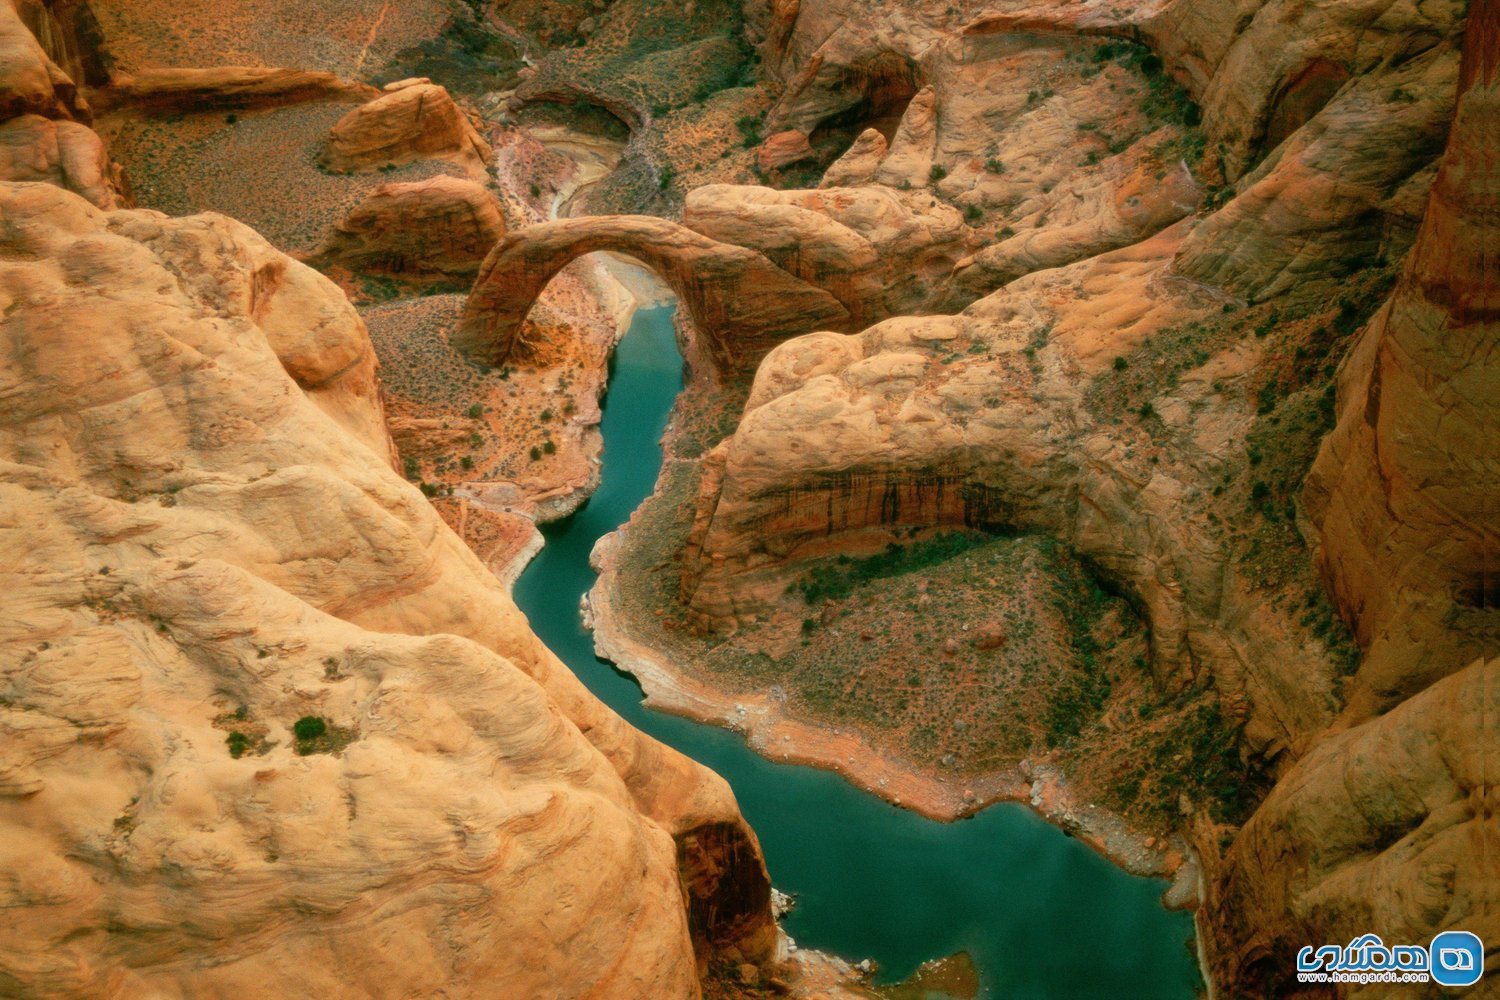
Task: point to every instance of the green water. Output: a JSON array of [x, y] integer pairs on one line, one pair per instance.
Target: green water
[[1042, 915]]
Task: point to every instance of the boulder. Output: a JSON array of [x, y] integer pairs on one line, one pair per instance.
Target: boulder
[[443, 226], [783, 149], [65, 153], [415, 121]]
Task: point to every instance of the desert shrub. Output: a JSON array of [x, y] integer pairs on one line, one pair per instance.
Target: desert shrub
[[309, 727]]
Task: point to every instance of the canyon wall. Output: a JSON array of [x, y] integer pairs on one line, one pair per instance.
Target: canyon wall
[[1389, 825], [1133, 402], [205, 537], [205, 541]]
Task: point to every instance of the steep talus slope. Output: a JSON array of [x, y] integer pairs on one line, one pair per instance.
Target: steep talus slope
[[203, 537]]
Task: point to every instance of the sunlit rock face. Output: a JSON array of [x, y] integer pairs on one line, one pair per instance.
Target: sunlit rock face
[[203, 536], [1403, 491]]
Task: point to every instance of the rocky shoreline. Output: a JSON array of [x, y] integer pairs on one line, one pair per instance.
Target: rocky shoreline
[[779, 736]]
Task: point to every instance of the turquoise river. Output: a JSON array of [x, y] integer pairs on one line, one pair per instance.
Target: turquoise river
[[1041, 914]]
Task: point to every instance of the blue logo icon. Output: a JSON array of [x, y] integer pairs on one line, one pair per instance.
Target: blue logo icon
[[1457, 958]]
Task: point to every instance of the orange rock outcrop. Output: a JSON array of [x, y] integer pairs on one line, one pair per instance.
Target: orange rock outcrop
[[203, 535], [444, 226]]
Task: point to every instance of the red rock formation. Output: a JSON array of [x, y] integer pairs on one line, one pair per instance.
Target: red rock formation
[[202, 88], [878, 250], [202, 535], [70, 155], [443, 226], [412, 120], [742, 303], [1403, 491], [30, 82], [783, 149], [1388, 826]]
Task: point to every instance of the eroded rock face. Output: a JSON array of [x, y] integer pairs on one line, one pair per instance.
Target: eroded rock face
[[984, 420], [30, 82], [413, 120], [1402, 493], [1385, 828], [1135, 195], [783, 149], [443, 226], [1337, 108], [741, 302], [878, 251], [1382, 815], [202, 536], [1338, 193], [44, 121], [200, 88], [68, 154]]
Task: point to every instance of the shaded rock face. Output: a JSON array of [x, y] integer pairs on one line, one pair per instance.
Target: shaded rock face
[[203, 537], [1402, 493], [413, 120], [69, 32], [443, 226], [30, 82], [44, 121], [1387, 827], [68, 154], [742, 302], [1338, 192]]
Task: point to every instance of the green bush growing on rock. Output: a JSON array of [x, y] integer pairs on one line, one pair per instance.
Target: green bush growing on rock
[[309, 728]]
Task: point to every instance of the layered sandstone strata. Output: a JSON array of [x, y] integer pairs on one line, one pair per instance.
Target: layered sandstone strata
[[203, 536]]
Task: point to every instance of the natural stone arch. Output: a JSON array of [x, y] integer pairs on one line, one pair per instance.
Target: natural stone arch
[[742, 303]]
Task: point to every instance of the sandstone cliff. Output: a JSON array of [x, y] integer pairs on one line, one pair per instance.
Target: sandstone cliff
[[1157, 408], [203, 537], [1389, 825]]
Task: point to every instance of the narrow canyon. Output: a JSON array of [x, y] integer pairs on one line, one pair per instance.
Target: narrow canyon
[[747, 498]]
